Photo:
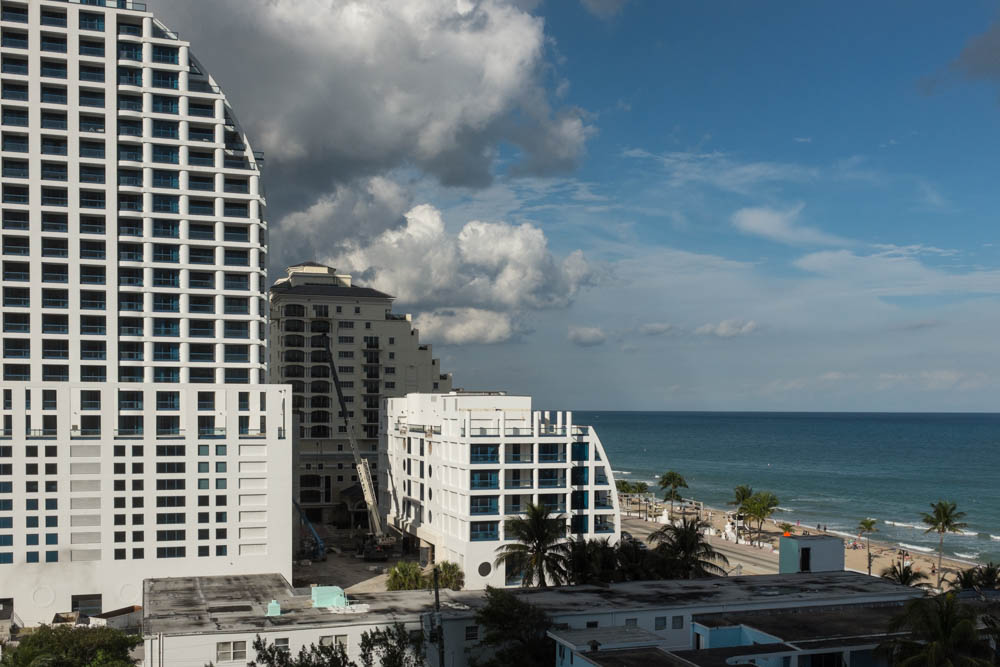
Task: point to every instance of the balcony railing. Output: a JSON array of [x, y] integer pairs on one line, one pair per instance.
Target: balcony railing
[[517, 484], [552, 483], [214, 432], [485, 484], [519, 458], [484, 535], [34, 433]]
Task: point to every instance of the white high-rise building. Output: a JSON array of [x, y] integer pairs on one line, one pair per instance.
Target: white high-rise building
[[460, 463], [378, 354], [138, 438]]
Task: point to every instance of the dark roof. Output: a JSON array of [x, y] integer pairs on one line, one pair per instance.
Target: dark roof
[[353, 292], [630, 657], [720, 657], [797, 625]]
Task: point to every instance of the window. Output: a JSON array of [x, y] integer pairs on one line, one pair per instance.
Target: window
[[164, 54], [631, 622], [677, 623], [231, 652], [281, 643], [471, 633], [164, 104]]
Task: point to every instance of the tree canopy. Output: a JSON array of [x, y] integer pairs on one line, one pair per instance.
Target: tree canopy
[[66, 646], [514, 630]]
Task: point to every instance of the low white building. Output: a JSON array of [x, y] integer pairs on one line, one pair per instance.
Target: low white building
[[459, 463], [190, 622]]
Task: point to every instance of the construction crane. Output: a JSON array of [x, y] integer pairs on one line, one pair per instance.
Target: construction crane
[[319, 546], [381, 538]]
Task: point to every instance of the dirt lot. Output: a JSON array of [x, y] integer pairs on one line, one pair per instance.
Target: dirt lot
[[348, 571]]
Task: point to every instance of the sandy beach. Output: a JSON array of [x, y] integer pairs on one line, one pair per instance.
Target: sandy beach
[[756, 560]]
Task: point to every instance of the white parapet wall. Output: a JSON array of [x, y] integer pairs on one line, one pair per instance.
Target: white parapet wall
[[458, 464]]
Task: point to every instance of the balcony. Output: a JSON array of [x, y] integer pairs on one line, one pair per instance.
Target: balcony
[[484, 534], [212, 432], [482, 432], [169, 433], [135, 432], [551, 457], [484, 483], [40, 433], [252, 433], [518, 483], [84, 433], [551, 482], [519, 457]]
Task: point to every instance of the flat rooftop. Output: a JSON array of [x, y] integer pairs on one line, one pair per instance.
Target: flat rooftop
[[608, 637], [722, 657], [844, 622], [192, 605]]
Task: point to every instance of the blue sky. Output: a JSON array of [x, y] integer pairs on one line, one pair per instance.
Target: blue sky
[[649, 205]]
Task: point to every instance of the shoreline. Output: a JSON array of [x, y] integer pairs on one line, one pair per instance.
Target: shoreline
[[884, 553], [783, 515]]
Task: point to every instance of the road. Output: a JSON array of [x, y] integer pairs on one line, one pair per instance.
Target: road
[[753, 560]]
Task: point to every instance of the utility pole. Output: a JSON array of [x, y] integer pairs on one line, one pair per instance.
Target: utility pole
[[437, 617]]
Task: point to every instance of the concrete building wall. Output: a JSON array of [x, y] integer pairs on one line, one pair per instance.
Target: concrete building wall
[[377, 353], [132, 263], [458, 464], [98, 514]]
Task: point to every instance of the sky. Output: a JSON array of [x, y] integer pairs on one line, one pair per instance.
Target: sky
[[642, 205]]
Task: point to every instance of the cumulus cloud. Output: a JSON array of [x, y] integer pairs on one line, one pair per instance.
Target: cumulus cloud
[[727, 328], [340, 89], [586, 336], [780, 225], [360, 211], [460, 326], [604, 9], [488, 267], [656, 328]]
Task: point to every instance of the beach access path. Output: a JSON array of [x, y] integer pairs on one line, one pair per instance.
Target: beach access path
[[759, 561]]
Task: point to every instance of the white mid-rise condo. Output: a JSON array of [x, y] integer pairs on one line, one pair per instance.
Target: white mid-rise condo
[[460, 463], [137, 436]]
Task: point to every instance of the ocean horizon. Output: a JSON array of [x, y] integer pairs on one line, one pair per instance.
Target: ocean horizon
[[827, 468]]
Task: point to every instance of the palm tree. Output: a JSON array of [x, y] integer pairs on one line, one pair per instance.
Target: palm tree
[[405, 576], [937, 631], [632, 561], [450, 575], [966, 580], [672, 480], [741, 494], [904, 575], [980, 577], [866, 527], [539, 546], [759, 507], [591, 561], [943, 518], [989, 576], [685, 546]]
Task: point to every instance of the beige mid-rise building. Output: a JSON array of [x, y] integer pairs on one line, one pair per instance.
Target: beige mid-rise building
[[378, 355]]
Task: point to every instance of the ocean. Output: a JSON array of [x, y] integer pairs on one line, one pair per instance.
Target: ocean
[[826, 468]]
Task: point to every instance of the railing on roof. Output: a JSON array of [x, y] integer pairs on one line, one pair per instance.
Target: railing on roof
[[114, 4]]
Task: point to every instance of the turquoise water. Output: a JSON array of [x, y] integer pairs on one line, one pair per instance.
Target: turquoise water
[[827, 468]]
